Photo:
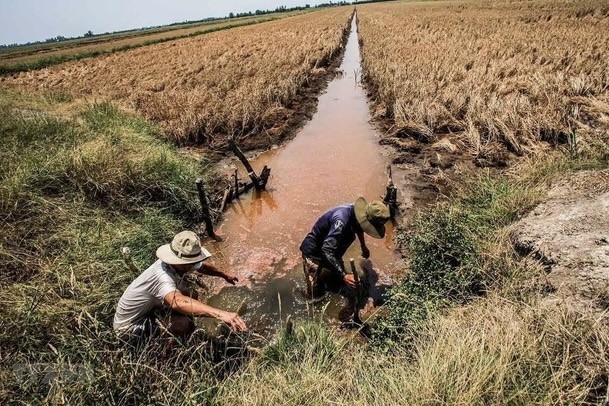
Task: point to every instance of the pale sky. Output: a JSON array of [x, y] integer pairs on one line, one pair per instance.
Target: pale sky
[[33, 20]]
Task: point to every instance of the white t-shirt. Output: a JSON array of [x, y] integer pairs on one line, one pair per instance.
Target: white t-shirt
[[144, 294]]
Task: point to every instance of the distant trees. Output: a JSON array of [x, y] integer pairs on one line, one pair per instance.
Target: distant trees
[[284, 9], [333, 4], [58, 38], [280, 9], [51, 40], [369, 1]]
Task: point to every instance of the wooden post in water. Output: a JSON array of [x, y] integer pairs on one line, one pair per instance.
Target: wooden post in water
[[357, 292], [264, 176], [209, 225], [250, 171], [236, 182], [307, 279], [391, 193], [225, 198]]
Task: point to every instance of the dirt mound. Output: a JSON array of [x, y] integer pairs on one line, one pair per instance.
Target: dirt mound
[[569, 233]]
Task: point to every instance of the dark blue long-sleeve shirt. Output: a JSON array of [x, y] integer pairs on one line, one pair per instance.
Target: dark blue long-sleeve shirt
[[330, 237]]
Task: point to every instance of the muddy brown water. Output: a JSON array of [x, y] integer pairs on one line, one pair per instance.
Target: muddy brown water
[[334, 159]]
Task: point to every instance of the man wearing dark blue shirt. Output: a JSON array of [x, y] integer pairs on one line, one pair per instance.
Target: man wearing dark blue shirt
[[335, 231]]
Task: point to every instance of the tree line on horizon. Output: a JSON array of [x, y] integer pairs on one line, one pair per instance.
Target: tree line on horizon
[[231, 15]]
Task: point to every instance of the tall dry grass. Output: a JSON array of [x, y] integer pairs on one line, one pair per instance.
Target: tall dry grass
[[495, 351], [493, 74], [238, 81]]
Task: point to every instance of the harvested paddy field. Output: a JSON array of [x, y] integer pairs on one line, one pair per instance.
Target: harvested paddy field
[[235, 82], [489, 77], [93, 164], [42, 55]]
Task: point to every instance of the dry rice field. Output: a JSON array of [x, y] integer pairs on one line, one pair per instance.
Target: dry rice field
[[239, 81], [491, 75], [107, 43]]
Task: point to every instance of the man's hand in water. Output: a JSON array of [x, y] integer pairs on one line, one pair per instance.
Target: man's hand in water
[[365, 252], [350, 281], [233, 321], [230, 278]]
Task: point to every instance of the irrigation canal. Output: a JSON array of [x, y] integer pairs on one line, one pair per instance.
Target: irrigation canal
[[333, 159]]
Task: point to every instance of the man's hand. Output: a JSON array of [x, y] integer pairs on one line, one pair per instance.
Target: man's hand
[[233, 321], [230, 278], [350, 281], [365, 252]]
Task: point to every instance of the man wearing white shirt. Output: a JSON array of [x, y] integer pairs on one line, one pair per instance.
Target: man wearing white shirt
[[157, 295]]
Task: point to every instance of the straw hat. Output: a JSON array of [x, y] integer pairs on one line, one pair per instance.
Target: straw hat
[[372, 217], [185, 248]]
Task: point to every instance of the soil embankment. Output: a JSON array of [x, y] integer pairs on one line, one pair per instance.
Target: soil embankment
[[569, 233]]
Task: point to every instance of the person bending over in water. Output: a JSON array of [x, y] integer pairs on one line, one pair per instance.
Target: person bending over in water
[[159, 295], [323, 248]]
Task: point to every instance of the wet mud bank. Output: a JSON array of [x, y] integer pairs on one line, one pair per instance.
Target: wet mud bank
[[279, 127], [282, 123]]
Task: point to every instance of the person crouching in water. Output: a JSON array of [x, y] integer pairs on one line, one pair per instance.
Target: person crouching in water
[[323, 248], [158, 295]]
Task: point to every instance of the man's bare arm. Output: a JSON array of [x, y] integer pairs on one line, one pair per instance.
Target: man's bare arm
[[208, 269], [186, 305]]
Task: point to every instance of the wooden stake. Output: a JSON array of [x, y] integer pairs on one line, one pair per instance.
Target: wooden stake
[[236, 180], [225, 199], [245, 162], [289, 326], [307, 279], [264, 176], [357, 292], [391, 193], [209, 225]]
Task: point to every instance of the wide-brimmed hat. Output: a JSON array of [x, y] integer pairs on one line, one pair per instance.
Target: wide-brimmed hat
[[372, 217], [185, 248]]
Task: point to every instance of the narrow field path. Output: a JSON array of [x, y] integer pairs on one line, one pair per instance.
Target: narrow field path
[[334, 159]]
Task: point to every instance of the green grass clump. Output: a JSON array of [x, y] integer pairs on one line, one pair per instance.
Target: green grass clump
[[458, 249], [446, 246], [308, 341], [295, 369], [73, 191], [56, 167], [492, 351]]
